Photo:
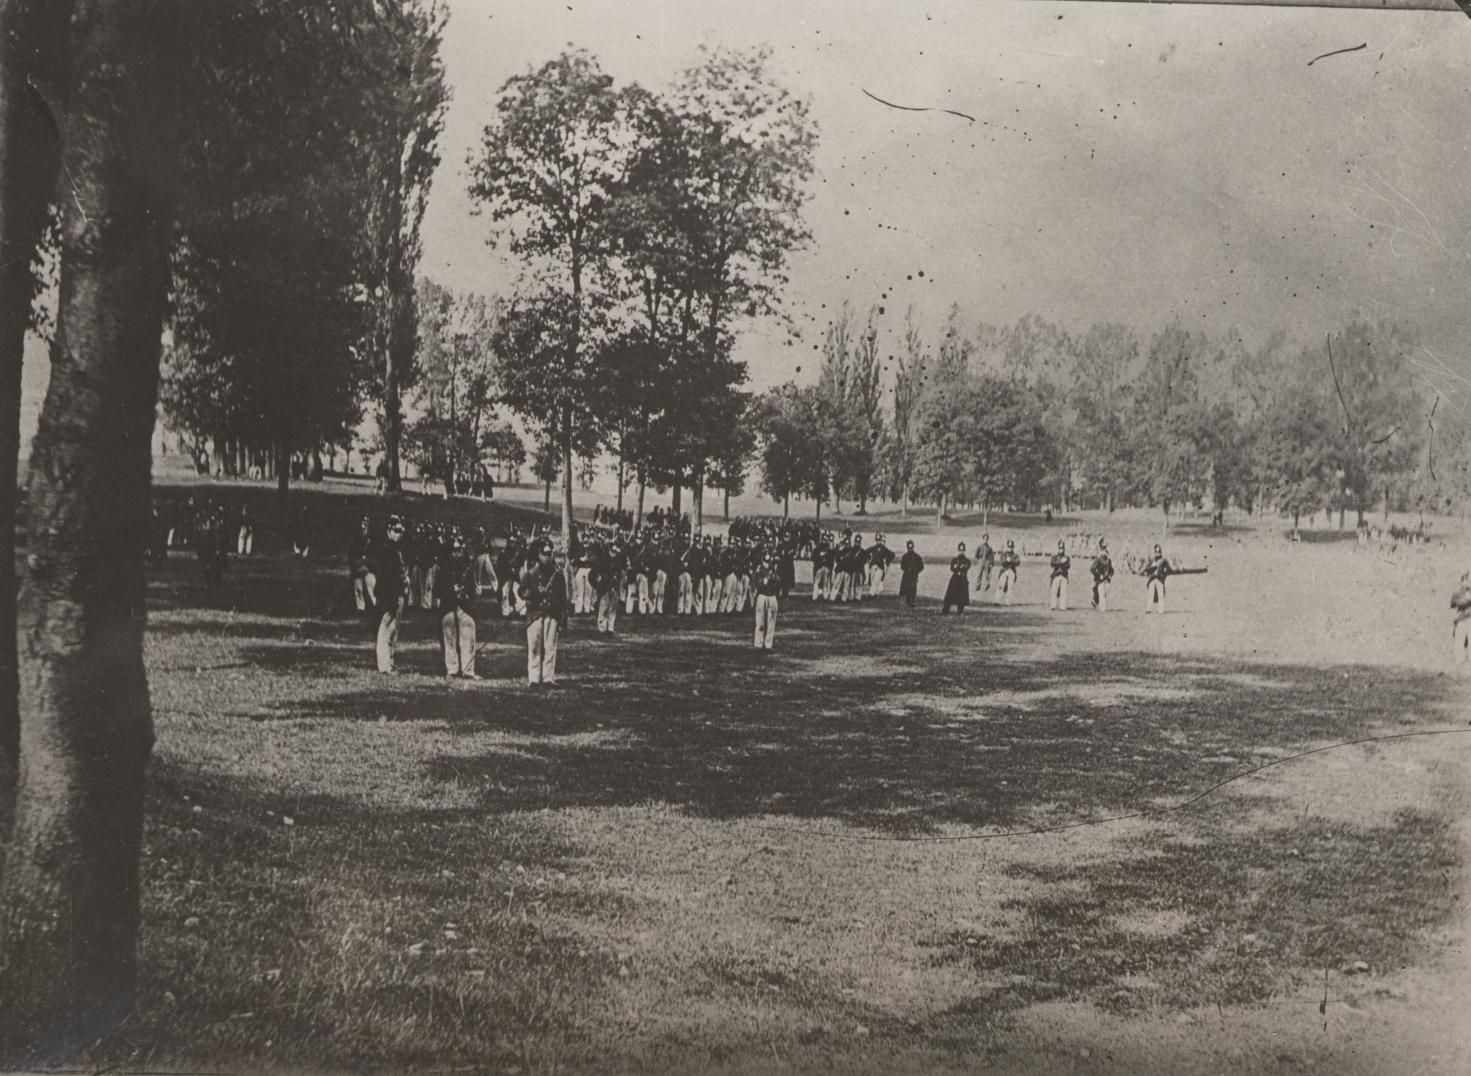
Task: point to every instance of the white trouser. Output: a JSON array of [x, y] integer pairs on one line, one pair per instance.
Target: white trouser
[[457, 631], [541, 650], [363, 587], [765, 621], [1059, 592], [388, 636], [1156, 594]]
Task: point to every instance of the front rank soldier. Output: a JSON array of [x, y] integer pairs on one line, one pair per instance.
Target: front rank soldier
[[454, 583], [1155, 573], [211, 546], [1006, 578], [608, 572], [360, 569], [1102, 576], [767, 586], [545, 588], [1060, 563], [392, 592]]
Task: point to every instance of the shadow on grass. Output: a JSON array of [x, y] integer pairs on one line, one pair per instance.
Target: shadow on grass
[[1224, 919], [903, 724], [294, 941]]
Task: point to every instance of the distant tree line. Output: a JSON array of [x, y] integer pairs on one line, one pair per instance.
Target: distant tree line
[[1031, 415]]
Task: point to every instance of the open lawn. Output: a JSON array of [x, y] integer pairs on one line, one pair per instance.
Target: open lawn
[[692, 857]]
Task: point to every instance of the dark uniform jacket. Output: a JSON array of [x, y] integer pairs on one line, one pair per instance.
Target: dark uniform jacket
[[545, 593]]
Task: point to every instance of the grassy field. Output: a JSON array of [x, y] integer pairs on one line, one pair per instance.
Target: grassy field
[[692, 857]]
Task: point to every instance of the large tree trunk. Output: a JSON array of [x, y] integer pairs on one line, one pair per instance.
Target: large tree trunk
[[32, 55], [69, 891], [675, 501], [642, 485], [786, 506], [726, 513]]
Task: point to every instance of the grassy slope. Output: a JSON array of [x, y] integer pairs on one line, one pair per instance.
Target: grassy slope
[[607, 876]]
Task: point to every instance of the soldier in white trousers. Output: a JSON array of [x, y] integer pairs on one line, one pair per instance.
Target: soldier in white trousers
[[768, 587]]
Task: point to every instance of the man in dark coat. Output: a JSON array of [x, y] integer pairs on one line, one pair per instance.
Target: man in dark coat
[[910, 565], [957, 592]]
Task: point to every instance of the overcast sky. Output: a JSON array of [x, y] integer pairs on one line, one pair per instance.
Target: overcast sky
[[1127, 161]]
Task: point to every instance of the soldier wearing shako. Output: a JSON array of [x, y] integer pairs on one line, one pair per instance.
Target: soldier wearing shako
[[1006, 578], [1155, 573], [544, 586], [1060, 564], [454, 585]]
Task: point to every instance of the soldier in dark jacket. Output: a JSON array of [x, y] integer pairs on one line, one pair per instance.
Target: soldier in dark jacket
[[392, 591], [454, 584], [360, 569], [544, 586]]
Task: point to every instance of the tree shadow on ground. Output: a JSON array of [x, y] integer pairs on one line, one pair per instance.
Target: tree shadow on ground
[[902, 724]]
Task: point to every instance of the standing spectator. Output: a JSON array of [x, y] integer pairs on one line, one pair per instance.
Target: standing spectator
[[381, 475], [985, 562], [910, 565], [957, 592], [545, 589]]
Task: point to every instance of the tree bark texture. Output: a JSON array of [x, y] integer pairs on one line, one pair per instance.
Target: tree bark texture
[[69, 893], [32, 58]]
